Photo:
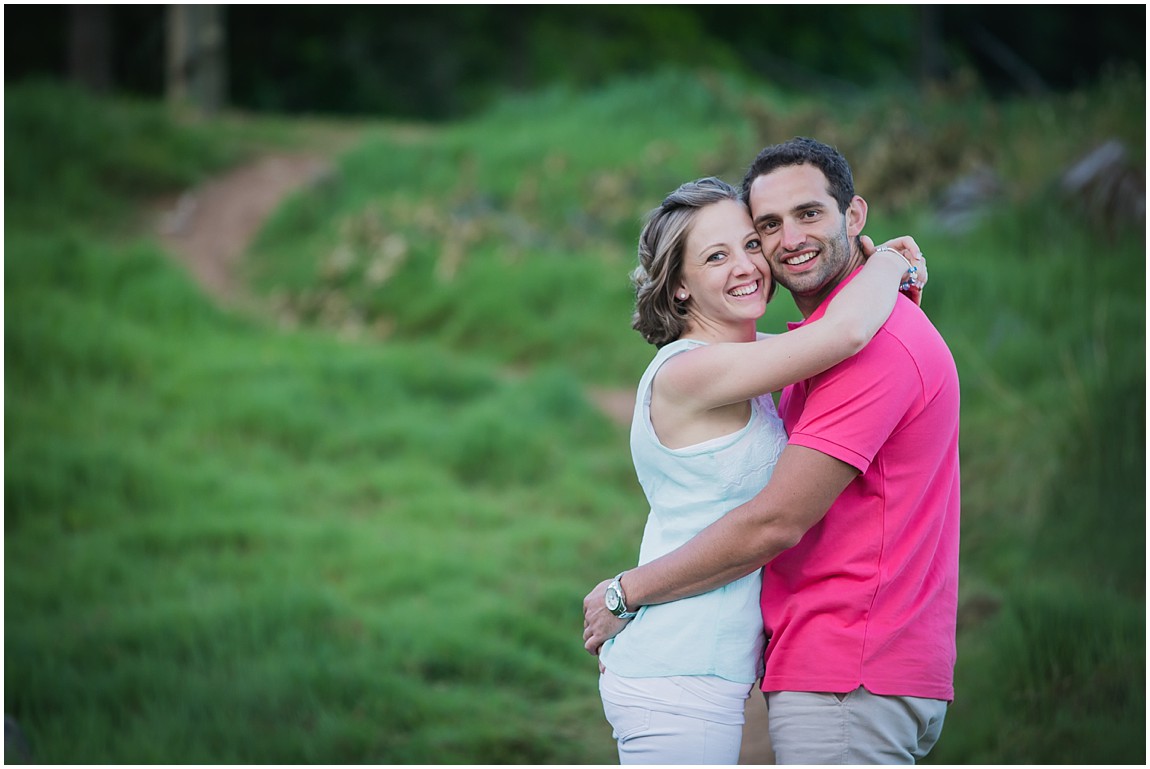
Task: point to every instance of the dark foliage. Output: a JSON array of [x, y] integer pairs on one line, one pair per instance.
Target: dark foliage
[[437, 61]]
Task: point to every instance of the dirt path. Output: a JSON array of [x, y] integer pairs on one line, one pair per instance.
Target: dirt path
[[208, 229]]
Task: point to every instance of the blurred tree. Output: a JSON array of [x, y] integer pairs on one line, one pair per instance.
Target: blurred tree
[[446, 61], [1034, 48], [90, 46], [196, 63], [931, 65]]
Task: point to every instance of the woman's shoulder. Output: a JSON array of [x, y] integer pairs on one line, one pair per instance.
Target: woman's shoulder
[[670, 350]]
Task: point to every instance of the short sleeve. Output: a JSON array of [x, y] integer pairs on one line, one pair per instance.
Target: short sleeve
[[851, 410]]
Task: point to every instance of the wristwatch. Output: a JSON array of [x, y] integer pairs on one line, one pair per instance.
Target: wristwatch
[[616, 601]]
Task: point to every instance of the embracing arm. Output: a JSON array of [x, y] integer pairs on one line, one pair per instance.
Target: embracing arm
[[719, 374], [805, 482], [803, 486]]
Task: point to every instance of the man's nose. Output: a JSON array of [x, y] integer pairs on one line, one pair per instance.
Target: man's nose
[[793, 236]]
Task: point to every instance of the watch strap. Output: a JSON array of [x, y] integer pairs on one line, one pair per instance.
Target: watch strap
[[622, 612]]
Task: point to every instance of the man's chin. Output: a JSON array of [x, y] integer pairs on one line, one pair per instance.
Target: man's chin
[[802, 287]]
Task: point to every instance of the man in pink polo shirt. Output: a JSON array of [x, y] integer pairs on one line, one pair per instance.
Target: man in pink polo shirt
[[859, 524]]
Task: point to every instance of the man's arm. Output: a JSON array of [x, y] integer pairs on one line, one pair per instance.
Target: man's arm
[[802, 488]]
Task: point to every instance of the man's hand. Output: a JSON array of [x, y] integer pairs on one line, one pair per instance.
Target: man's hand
[[599, 625]]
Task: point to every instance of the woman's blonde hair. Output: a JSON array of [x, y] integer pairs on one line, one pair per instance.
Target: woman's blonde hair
[[659, 316]]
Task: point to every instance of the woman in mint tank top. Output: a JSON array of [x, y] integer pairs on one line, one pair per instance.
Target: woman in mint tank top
[[704, 438]]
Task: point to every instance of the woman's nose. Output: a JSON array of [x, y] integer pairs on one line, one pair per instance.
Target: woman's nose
[[745, 262]]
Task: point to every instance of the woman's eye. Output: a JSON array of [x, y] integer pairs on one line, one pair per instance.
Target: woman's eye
[[754, 245], [717, 256]]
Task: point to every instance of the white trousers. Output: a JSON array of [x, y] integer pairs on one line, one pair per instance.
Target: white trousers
[[675, 720]]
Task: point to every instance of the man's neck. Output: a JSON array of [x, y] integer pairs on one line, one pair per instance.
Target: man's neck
[[807, 305]]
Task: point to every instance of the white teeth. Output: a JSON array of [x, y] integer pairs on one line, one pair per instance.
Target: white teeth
[[745, 290], [800, 259]]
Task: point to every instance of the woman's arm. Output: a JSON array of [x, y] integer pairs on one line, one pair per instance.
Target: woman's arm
[[804, 485], [719, 374]]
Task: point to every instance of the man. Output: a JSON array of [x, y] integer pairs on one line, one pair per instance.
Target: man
[[858, 526]]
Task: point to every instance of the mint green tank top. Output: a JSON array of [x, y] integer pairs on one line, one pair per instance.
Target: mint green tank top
[[719, 633]]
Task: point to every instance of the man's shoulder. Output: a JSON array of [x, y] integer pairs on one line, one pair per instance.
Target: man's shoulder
[[909, 346], [908, 349], [910, 330]]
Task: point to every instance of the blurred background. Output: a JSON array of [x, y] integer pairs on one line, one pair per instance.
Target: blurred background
[[318, 359], [442, 62]]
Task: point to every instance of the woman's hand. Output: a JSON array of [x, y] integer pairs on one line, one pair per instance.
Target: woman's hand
[[599, 625], [914, 280]]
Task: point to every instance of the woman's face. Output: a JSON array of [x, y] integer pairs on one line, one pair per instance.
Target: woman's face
[[724, 274]]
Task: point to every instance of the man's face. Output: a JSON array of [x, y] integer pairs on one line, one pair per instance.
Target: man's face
[[807, 241]]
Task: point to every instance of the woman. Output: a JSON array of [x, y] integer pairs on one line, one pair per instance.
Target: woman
[[705, 437]]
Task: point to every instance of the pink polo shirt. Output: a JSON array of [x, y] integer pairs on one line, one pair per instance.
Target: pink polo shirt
[[869, 596]]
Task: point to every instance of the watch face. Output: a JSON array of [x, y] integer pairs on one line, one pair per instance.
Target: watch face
[[612, 598]]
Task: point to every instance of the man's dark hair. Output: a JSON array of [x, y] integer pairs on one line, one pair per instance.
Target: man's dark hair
[[801, 150]]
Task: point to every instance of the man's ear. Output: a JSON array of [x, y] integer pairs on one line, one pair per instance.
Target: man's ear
[[856, 217]]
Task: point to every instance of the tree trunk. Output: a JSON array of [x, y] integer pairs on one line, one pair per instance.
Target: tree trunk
[[90, 46], [196, 61], [931, 65]]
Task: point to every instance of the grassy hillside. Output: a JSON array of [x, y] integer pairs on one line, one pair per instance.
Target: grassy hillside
[[359, 529]]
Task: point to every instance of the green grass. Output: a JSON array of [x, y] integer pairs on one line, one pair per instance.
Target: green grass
[[1052, 642], [358, 529], [214, 532]]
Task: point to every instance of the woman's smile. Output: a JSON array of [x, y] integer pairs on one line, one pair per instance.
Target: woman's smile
[[745, 289]]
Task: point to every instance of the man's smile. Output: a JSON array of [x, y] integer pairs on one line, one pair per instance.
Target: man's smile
[[800, 258]]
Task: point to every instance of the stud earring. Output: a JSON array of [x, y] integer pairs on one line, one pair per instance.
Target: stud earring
[[682, 297]]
